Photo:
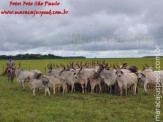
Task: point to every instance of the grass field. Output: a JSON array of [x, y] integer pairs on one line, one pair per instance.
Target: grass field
[[19, 106]]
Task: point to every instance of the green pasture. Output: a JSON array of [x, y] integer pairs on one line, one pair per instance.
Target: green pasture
[[41, 64]]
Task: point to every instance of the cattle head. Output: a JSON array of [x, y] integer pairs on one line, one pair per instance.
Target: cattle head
[[100, 68], [149, 67], [124, 65], [119, 72], [50, 67], [77, 73], [96, 67], [140, 74], [64, 69]]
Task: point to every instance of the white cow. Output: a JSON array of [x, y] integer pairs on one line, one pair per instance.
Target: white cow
[[70, 77], [149, 77], [126, 80], [82, 76], [39, 83], [23, 75], [57, 82]]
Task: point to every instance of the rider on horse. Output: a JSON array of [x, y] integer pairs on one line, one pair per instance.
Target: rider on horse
[[10, 65]]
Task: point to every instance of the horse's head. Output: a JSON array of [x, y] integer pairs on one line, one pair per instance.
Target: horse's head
[[10, 71]]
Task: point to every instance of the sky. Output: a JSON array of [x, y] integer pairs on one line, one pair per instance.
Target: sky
[[101, 29]]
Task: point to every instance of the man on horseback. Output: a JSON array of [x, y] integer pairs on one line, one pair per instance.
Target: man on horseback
[[9, 71], [10, 65]]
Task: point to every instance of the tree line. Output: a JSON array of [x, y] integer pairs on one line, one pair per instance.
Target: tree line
[[38, 56]]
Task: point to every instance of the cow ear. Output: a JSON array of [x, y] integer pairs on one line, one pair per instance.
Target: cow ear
[[143, 74], [121, 72], [136, 73], [116, 72]]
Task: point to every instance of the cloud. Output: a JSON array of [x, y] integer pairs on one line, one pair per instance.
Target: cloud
[[92, 29]]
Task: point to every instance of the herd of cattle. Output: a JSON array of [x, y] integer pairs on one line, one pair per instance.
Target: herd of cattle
[[86, 77]]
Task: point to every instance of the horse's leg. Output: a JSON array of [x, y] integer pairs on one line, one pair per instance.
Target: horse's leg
[[12, 79]]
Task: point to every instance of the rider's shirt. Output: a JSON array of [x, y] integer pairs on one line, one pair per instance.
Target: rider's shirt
[[10, 63]]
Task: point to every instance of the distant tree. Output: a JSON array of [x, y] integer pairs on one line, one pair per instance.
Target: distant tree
[[37, 56]]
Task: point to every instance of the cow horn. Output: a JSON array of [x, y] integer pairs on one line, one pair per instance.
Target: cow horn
[[118, 65], [53, 66], [114, 66], [78, 65], [103, 62], [80, 69], [97, 62], [81, 63], [57, 66], [48, 66], [106, 65]]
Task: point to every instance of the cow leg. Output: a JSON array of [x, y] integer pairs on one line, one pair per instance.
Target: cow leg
[[45, 91], [137, 89], [22, 84], [120, 87], [54, 90], [85, 87], [92, 88], [99, 88], [33, 91], [126, 91], [48, 91], [72, 87], [162, 86], [82, 85], [145, 87], [59, 88], [113, 88], [110, 89], [120, 91], [64, 89], [134, 89]]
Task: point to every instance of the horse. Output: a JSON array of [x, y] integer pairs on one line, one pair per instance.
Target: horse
[[10, 74]]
